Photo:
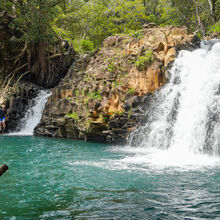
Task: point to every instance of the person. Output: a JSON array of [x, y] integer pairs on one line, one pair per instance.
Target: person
[[3, 117]]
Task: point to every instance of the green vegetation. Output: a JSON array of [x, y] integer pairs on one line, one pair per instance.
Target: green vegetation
[[144, 61], [41, 24], [96, 95], [86, 23], [131, 91], [73, 115], [87, 78], [138, 34], [76, 92], [111, 67], [129, 113], [87, 46], [103, 118], [116, 83], [86, 101], [215, 28]]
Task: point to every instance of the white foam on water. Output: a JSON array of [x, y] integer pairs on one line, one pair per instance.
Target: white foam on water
[[152, 160]]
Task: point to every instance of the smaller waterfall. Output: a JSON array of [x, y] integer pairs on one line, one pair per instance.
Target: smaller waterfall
[[33, 115]]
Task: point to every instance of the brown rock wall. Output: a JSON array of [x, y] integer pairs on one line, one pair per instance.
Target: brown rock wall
[[100, 98]]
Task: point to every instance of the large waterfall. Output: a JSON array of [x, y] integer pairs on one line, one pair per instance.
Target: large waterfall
[[183, 119], [33, 115], [184, 116]]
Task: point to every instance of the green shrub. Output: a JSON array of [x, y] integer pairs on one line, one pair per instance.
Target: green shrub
[[76, 92], [144, 61], [111, 67], [73, 115], [95, 95], [138, 34], [87, 45], [131, 91], [215, 28], [116, 83]]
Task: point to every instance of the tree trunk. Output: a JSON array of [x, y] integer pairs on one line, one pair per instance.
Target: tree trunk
[[212, 10], [200, 22]]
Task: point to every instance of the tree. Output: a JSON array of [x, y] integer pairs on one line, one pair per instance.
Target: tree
[[94, 20], [33, 20]]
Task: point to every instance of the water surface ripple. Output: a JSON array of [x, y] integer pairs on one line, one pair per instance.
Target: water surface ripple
[[65, 179]]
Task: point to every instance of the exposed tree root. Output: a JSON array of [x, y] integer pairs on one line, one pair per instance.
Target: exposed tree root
[[12, 73], [22, 52], [10, 77], [24, 74]]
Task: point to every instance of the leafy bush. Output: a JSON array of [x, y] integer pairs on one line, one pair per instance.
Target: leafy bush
[[144, 61], [73, 115], [215, 27], [111, 67], [95, 95], [87, 45], [131, 91]]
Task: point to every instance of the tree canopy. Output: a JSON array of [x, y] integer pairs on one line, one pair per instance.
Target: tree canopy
[[85, 24]]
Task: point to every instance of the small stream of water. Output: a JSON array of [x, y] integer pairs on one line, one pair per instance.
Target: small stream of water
[[33, 115]]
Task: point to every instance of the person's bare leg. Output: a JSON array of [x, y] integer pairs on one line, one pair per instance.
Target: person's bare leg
[[0, 126], [3, 123]]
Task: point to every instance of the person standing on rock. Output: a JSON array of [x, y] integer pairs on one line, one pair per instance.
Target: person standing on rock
[[3, 117]]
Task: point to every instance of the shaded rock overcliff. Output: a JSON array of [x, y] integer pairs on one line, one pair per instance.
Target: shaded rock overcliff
[[102, 97]]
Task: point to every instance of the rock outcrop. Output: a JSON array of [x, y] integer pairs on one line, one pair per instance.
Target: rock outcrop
[[102, 97]]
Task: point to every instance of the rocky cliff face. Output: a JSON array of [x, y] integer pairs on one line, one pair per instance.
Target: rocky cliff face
[[103, 97]]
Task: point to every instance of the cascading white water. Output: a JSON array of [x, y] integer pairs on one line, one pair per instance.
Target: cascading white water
[[33, 115], [200, 82], [184, 115], [183, 119]]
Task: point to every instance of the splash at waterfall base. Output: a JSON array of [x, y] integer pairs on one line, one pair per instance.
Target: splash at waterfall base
[[104, 98]]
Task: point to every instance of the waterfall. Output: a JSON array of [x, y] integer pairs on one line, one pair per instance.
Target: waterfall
[[33, 115], [184, 115]]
